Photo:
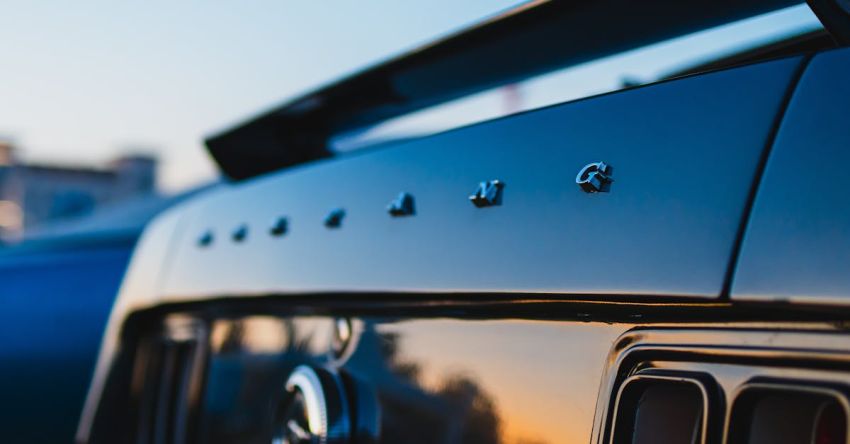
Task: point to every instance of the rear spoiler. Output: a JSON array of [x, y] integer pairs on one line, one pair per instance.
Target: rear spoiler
[[532, 39]]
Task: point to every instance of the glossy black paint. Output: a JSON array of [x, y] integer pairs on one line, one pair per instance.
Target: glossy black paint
[[472, 378], [797, 244], [686, 153], [411, 381], [518, 323]]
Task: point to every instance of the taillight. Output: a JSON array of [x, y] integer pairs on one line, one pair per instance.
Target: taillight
[[831, 427], [780, 414], [655, 409]]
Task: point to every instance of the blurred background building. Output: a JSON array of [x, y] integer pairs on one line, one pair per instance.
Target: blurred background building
[[35, 194]]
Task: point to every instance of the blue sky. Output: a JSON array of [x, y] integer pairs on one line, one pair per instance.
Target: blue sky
[[81, 84]]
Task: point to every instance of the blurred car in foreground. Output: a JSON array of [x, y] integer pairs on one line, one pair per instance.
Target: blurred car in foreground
[[58, 286]]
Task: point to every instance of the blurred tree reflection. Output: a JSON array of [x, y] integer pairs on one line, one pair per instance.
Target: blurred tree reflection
[[459, 410], [390, 350], [478, 420]]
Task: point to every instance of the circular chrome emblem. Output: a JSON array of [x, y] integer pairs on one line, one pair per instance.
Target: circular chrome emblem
[[313, 410]]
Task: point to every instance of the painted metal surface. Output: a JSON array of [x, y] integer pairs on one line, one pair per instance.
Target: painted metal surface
[[54, 304], [139, 289], [684, 155], [667, 226], [435, 381], [486, 381], [797, 244], [509, 372]]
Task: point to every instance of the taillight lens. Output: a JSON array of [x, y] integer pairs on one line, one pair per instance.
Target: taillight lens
[[796, 415], [831, 425], [653, 410]]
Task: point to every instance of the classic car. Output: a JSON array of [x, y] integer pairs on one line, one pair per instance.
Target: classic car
[[665, 262]]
